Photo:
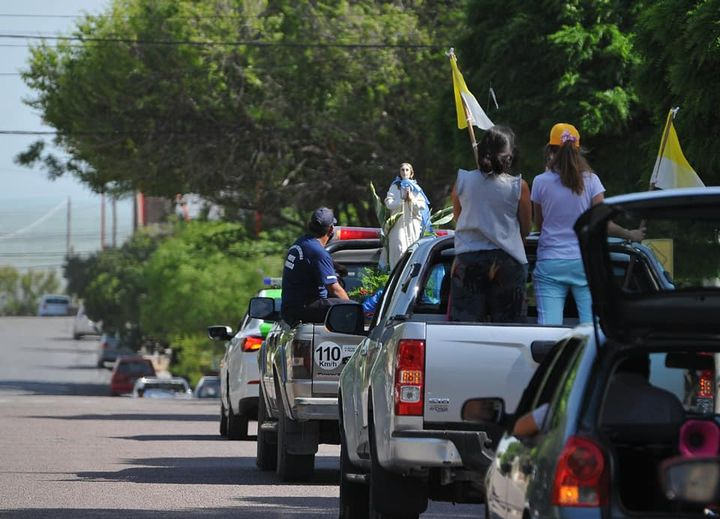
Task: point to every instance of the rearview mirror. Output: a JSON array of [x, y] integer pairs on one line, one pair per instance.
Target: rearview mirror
[[486, 410], [347, 318], [262, 308], [220, 333], [691, 480]]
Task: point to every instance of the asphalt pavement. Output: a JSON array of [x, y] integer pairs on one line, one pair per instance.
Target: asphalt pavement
[[68, 450]]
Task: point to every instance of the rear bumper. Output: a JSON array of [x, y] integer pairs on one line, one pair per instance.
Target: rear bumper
[[315, 408], [421, 448]]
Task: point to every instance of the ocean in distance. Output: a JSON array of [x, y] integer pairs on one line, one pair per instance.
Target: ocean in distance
[[34, 228]]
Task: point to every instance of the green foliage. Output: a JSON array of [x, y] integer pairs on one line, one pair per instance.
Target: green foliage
[[559, 61], [203, 275], [249, 125], [20, 293], [195, 355], [112, 283], [680, 42], [373, 279]]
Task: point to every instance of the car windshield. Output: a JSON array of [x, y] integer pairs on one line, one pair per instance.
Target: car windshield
[[209, 388], [685, 245]]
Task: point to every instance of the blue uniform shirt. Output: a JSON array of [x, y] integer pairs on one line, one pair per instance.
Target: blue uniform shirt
[[308, 269]]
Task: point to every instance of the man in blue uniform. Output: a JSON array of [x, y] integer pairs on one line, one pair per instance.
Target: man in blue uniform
[[309, 283]]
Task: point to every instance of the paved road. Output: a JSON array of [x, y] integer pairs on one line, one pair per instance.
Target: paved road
[[69, 451]]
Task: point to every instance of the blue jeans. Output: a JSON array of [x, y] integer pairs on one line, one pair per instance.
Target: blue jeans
[[552, 279]]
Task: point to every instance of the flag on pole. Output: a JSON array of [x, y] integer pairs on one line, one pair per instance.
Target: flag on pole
[[671, 168], [475, 114]]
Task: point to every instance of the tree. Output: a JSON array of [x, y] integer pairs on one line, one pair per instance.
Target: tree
[[112, 283], [147, 103], [680, 43], [562, 61], [203, 275], [19, 293]]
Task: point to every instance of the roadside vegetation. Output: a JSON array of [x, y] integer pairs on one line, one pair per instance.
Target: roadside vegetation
[[272, 108]]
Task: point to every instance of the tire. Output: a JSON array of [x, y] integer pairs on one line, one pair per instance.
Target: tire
[[266, 458], [291, 467], [354, 497], [77, 336], [393, 496], [223, 421], [237, 425]]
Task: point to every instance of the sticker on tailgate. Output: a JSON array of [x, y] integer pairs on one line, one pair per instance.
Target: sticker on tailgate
[[329, 356]]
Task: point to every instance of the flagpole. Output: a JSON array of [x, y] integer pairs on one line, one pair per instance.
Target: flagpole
[[473, 142], [663, 143]]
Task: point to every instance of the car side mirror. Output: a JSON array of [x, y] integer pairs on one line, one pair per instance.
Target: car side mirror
[[346, 318], [263, 308], [540, 349], [484, 410], [220, 333], [691, 480]]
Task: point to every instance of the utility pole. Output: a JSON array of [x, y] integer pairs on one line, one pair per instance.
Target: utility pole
[[68, 241], [114, 222], [102, 221]]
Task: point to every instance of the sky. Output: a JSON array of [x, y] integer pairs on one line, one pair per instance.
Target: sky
[[33, 209]]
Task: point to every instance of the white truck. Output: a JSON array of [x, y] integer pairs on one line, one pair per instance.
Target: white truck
[[403, 393], [299, 370]]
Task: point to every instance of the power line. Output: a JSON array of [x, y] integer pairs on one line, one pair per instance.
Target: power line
[[235, 43]]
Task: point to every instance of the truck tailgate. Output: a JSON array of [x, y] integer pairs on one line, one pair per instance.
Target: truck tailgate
[[472, 360], [331, 352]]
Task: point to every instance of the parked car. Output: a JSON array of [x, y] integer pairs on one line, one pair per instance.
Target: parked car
[[53, 305], [624, 398], [83, 325], [156, 387], [239, 370], [126, 371], [110, 347], [299, 370], [208, 387]]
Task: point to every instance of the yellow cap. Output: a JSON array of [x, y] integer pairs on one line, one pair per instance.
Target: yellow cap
[[563, 132]]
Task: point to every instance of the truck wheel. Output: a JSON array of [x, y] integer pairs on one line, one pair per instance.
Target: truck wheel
[[237, 425], [266, 458], [354, 496], [393, 496], [223, 420], [291, 467]]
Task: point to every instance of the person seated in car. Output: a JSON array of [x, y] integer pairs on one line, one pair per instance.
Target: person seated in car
[[630, 400], [310, 284]]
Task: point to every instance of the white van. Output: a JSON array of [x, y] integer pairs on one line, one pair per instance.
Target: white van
[[53, 304]]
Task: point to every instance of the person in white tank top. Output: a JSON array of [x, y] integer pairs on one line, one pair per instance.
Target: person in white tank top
[[492, 210]]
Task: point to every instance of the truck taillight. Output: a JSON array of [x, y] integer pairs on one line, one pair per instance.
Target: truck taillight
[[409, 377], [251, 343], [358, 233], [301, 359], [581, 478], [705, 384]]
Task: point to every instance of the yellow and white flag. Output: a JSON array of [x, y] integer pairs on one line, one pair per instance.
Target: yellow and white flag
[[475, 114], [671, 168]]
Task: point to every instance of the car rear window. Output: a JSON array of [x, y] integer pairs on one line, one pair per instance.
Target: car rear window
[[136, 368], [176, 387], [56, 301]]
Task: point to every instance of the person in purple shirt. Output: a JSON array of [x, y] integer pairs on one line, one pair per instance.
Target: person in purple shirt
[[310, 284], [566, 189]]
